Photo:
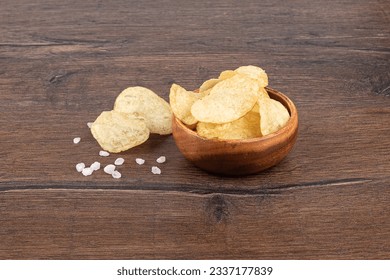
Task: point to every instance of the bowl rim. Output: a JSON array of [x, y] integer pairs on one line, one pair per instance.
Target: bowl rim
[[293, 116]]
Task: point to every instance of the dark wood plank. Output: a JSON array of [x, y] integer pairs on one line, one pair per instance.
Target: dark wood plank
[[332, 222], [61, 64]]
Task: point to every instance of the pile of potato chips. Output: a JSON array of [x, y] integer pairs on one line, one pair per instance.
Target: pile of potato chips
[[233, 106], [137, 112]]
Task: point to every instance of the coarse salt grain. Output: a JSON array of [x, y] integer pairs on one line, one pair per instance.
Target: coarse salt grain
[[104, 154], [116, 174], [80, 166], [119, 161], [89, 124], [156, 170], [161, 159], [109, 169], [76, 140], [95, 166], [87, 171], [140, 161]]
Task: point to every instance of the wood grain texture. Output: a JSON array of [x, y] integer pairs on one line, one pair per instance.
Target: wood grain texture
[[300, 222], [64, 63]]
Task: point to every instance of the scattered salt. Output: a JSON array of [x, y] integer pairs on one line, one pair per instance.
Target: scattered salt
[[161, 159], [156, 170], [89, 124], [109, 169], [116, 174], [119, 161], [76, 140], [80, 166], [140, 161], [104, 154], [95, 166], [87, 171]]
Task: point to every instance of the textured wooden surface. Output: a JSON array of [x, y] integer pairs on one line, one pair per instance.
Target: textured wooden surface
[[63, 63]]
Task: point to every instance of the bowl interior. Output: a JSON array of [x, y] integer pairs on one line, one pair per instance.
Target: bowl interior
[[274, 94]]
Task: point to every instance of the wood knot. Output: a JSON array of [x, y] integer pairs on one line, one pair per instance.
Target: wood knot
[[218, 209]]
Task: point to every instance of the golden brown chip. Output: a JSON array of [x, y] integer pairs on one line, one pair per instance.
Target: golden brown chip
[[227, 101], [181, 102], [254, 72], [143, 102], [116, 132], [244, 128], [273, 115]]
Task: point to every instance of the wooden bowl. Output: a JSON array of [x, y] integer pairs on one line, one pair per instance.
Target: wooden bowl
[[238, 157]]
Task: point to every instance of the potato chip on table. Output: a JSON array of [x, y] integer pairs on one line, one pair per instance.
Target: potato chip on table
[[137, 112], [144, 103], [117, 132]]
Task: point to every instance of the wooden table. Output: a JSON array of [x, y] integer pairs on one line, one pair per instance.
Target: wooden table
[[63, 63]]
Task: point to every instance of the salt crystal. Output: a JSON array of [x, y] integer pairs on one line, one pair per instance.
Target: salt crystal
[[109, 169], [80, 166], [156, 170], [104, 154], [76, 140], [89, 124], [161, 159], [95, 166], [140, 161], [87, 171], [119, 161], [116, 174]]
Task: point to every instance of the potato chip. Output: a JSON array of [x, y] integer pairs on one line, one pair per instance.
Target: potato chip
[[273, 115], [116, 132], [144, 103], [226, 74], [244, 128], [208, 84], [227, 101], [254, 72], [181, 101], [262, 93]]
